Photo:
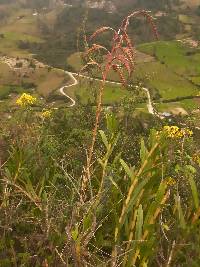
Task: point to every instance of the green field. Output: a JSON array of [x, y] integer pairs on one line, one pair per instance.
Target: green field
[[9, 43], [180, 58], [159, 78], [168, 68], [20, 25], [75, 61], [167, 76], [195, 80], [185, 106], [190, 104], [86, 92], [175, 74]]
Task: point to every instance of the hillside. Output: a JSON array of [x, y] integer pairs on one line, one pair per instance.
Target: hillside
[[191, 3], [55, 32], [99, 133]]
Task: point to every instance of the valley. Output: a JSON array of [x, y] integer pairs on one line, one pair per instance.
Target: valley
[[99, 133], [168, 68], [171, 84]]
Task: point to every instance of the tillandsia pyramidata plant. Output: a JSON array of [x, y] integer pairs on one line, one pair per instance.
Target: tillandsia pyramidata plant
[[120, 58]]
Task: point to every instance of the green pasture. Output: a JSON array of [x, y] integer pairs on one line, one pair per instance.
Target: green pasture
[[76, 62], [9, 43], [195, 80], [190, 104], [159, 78], [21, 20], [86, 92], [180, 58], [172, 107], [20, 25]]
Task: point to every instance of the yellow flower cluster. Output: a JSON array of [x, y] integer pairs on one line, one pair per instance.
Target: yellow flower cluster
[[25, 100], [46, 114], [170, 181], [196, 158], [176, 132]]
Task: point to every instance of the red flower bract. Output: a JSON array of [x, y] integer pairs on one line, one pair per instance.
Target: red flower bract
[[120, 58]]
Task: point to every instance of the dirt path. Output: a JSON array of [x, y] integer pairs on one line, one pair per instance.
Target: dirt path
[[11, 62], [150, 107], [75, 82]]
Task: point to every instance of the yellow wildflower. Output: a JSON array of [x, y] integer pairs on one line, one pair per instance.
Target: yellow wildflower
[[46, 114], [176, 132], [170, 181], [188, 132], [25, 100], [196, 158], [171, 131]]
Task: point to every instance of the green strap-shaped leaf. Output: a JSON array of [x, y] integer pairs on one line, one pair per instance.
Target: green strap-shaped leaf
[[180, 213], [75, 233], [194, 191], [115, 184], [112, 123], [155, 204], [104, 138], [139, 224], [135, 195], [143, 151], [128, 170]]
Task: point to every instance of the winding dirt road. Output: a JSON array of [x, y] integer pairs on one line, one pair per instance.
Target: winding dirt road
[[75, 82], [150, 107], [11, 62]]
